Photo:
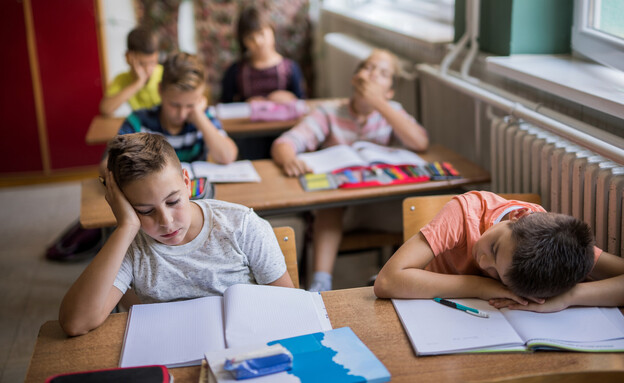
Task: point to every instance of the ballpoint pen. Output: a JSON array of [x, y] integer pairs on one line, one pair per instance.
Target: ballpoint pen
[[457, 306]]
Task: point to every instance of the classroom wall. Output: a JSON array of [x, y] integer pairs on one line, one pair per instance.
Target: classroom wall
[[17, 107], [46, 130]]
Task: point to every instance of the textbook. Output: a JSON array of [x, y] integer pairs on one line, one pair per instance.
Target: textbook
[[359, 154], [239, 171], [177, 334], [331, 356], [437, 329]]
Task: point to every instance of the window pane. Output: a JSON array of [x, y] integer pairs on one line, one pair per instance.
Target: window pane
[[608, 17]]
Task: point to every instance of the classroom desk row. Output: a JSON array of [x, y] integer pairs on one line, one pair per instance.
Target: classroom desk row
[[277, 193], [373, 320], [102, 129]]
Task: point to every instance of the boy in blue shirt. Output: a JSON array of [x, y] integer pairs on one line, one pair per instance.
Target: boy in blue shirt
[[183, 117], [165, 246]]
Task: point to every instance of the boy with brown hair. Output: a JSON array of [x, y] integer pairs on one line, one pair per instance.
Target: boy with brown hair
[[165, 246], [139, 86], [369, 115], [512, 253], [183, 117]]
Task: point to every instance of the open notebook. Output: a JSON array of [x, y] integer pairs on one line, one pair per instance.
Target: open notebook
[[360, 153], [437, 329], [238, 171], [177, 334]]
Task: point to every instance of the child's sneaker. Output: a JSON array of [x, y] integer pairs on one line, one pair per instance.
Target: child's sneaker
[[321, 281]]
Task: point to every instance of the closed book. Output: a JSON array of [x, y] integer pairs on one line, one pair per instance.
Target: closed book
[[332, 356]]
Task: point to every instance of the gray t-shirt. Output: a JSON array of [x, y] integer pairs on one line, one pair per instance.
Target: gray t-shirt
[[234, 246]]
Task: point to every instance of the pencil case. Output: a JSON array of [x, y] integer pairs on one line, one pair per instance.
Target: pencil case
[[384, 174], [201, 188], [143, 374], [379, 175]]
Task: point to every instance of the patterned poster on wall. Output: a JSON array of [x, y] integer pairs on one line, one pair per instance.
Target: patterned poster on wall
[[215, 22]]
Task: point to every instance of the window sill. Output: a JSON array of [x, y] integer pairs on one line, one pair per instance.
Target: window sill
[[589, 84], [411, 25]]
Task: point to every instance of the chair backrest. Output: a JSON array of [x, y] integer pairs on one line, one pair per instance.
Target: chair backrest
[[286, 239], [418, 211]]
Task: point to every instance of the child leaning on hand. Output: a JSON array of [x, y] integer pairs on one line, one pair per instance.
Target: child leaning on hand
[[165, 246], [139, 86], [369, 115], [183, 117]]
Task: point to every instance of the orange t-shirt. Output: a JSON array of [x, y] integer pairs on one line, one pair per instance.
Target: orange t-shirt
[[460, 223]]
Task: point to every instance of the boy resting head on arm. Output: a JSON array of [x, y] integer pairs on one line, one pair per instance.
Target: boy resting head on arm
[[511, 253], [165, 246]]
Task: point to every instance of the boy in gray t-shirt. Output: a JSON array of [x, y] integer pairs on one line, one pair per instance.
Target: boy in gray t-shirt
[[184, 249]]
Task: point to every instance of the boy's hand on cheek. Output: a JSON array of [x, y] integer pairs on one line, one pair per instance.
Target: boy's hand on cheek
[[123, 211], [199, 111], [138, 70]]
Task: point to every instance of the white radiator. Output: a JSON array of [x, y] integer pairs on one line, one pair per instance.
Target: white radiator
[[570, 179], [342, 55]]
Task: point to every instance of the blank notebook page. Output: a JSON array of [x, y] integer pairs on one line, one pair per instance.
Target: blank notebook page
[[173, 333], [260, 314], [576, 324]]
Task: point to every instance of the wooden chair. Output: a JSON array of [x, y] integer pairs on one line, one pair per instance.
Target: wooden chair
[[418, 211], [286, 239]]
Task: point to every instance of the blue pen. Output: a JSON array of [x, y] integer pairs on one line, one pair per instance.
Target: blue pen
[[466, 309]]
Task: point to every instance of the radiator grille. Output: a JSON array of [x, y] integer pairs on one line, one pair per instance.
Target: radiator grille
[[569, 178]]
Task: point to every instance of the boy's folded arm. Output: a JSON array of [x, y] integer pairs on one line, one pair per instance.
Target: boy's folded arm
[[403, 276], [607, 292], [607, 266], [91, 298], [109, 104]]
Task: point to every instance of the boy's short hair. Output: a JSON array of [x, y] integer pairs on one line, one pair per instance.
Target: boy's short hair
[[553, 252], [396, 68], [184, 71], [250, 20], [134, 156], [142, 40]]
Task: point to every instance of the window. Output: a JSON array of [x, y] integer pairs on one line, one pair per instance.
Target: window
[[598, 31]]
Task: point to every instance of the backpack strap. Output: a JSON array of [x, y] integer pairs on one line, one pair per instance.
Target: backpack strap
[[135, 122]]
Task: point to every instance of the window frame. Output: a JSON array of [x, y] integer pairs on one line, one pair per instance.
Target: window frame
[[593, 44]]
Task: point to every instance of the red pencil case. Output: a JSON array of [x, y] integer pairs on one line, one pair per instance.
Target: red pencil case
[[379, 175], [142, 374]]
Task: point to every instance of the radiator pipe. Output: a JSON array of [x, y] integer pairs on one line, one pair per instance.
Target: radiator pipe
[[473, 27], [452, 54], [518, 110]]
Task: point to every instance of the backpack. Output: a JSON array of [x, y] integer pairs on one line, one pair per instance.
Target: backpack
[[76, 244]]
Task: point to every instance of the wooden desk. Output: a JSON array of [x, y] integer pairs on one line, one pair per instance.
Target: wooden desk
[[373, 320], [277, 194], [102, 129]]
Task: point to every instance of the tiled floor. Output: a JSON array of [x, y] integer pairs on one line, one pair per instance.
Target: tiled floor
[[31, 288]]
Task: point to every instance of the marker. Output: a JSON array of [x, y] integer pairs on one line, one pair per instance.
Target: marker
[[457, 306]]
